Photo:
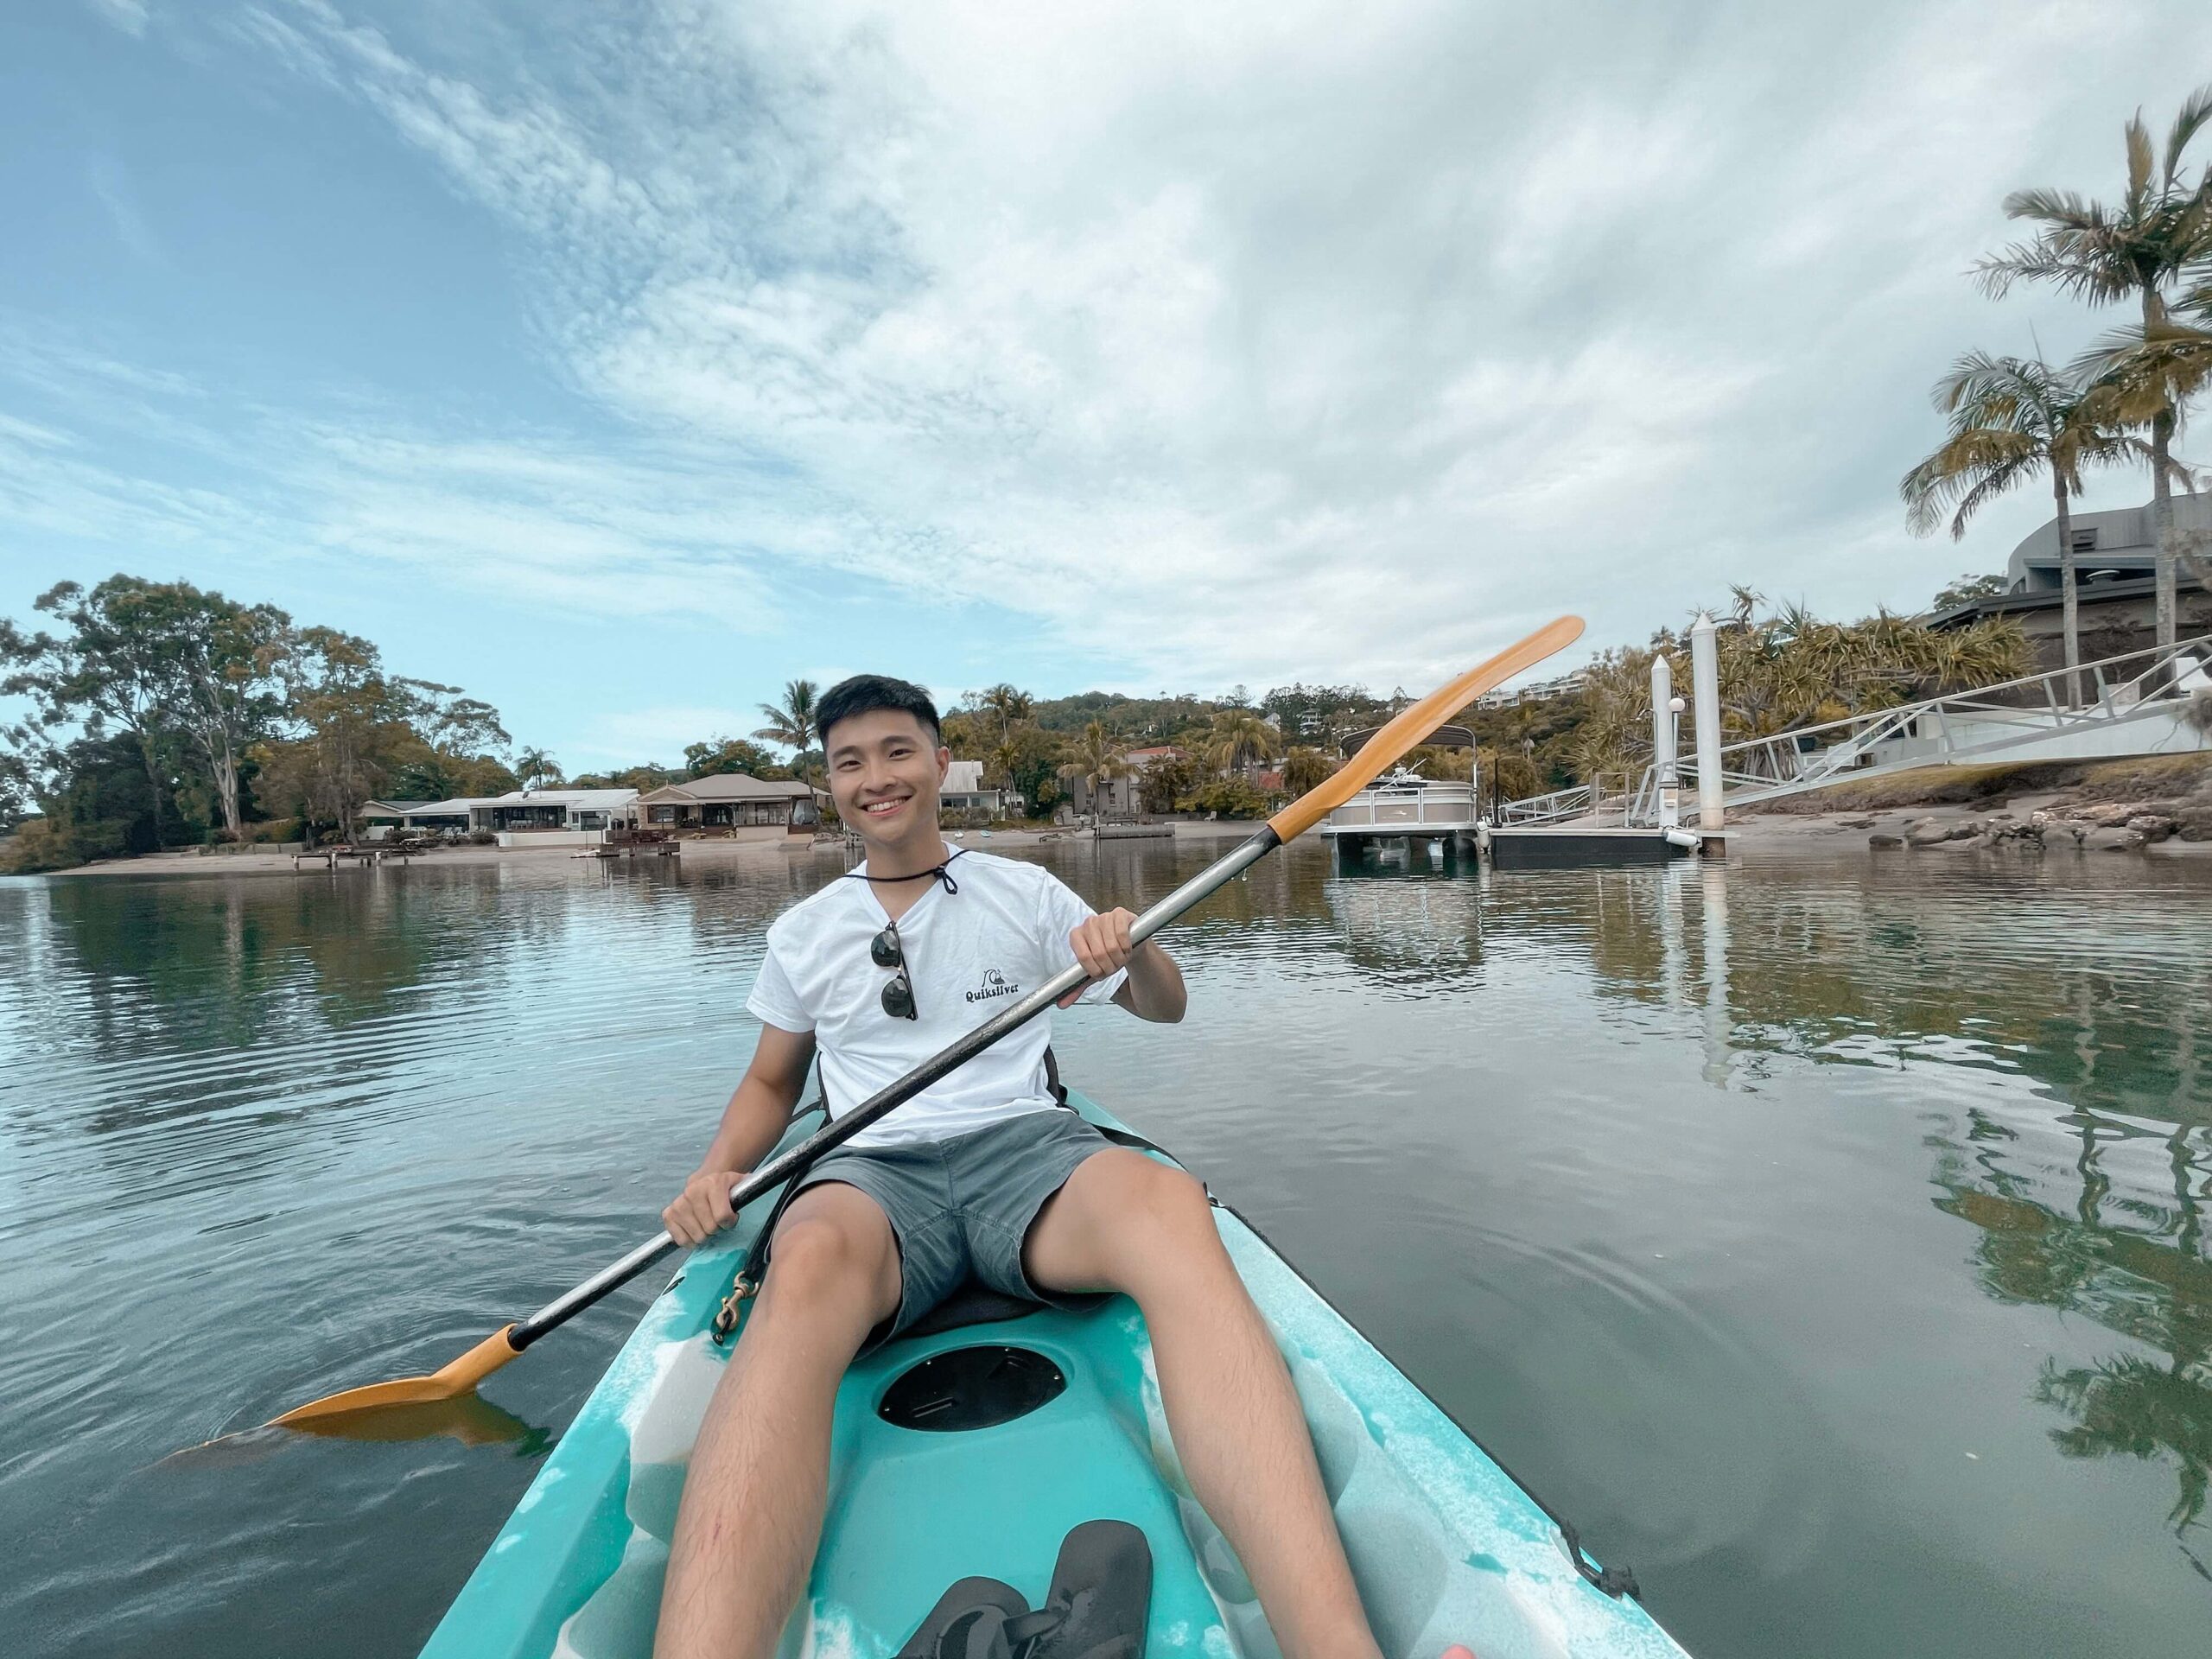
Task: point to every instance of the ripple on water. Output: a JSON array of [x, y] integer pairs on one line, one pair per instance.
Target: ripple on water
[[1730, 1206]]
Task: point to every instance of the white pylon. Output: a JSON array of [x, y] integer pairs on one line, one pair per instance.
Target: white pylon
[[1705, 695]]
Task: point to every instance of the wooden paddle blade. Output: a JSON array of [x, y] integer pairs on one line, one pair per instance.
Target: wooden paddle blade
[[447, 1383], [1406, 730]]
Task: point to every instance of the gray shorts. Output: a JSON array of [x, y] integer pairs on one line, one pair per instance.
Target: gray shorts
[[962, 1207]]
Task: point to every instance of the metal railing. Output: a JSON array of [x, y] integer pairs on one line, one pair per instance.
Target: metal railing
[[1985, 721], [1442, 801], [1606, 794]]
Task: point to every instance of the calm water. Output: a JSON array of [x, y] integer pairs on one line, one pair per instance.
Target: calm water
[[1826, 1236]]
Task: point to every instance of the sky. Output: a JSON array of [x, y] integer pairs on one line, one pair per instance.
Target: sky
[[619, 361]]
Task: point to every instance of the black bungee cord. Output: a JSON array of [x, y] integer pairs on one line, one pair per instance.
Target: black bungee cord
[[936, 872]]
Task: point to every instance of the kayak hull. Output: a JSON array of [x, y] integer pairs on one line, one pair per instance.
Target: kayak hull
[[1446, 1547]]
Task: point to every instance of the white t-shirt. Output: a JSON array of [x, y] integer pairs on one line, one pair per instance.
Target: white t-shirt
[[968, 955]]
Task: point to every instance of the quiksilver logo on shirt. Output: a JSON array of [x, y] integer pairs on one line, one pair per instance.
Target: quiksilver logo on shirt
[[995, 984]]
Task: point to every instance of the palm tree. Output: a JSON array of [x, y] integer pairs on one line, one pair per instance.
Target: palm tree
[[536, 768], [1304, 769], [1097, 760], [793, 723], [1004, 761], [1012, 706], [1240, 737], [2011, 420], [2161, 229]]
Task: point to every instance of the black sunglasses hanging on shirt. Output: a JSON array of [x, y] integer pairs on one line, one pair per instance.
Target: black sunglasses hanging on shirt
[[898, 994]]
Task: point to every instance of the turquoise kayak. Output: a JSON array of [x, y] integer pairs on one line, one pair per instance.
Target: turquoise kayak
[[1446, 1547]]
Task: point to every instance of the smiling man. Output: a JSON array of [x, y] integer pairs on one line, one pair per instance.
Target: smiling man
[[981, 1175]]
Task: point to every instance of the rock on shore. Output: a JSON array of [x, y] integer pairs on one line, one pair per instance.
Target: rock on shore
[[2112, 826]]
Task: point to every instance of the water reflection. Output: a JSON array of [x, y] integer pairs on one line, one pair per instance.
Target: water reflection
[[1593, 1149], [2109, 1024]]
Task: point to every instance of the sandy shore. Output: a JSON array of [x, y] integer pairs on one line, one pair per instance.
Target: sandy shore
[[190, 861]]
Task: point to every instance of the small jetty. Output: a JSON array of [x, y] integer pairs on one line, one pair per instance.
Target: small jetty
[[369, 852], [1554, 845], [623, 842]]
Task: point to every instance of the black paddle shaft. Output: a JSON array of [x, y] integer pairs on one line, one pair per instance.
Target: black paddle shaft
[[773, 1173]]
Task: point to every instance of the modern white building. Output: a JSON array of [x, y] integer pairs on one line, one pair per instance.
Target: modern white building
[[523, 814], [2115, 556]]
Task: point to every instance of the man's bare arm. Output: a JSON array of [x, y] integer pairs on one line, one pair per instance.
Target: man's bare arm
[[1154, 990], [753, 1121]]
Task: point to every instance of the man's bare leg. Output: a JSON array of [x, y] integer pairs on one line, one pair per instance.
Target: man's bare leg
[[752, 1500], [1125, 1223]]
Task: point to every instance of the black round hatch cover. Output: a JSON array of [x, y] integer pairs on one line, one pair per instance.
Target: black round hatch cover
[[971, 1388]]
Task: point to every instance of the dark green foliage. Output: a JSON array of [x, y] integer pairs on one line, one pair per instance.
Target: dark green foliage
[[103, 808], [1967, 589], [1230, 798], [1323, 715], [724, 754], [1168, 782]]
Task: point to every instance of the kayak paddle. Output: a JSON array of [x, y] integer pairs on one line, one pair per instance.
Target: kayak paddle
[[1390, 743]]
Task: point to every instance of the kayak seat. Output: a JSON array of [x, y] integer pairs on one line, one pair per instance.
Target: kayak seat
[[974, 1303]]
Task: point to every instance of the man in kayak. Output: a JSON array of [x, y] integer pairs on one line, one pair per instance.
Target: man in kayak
[[982, 1174]]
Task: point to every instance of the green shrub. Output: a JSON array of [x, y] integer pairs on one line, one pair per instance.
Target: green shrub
[[40, 844], [1230, 798]]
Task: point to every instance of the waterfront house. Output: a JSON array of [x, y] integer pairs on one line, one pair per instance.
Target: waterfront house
[[732, 805], [518, 813], [2114, 558], [963, 798], [533, 811], [1120, 798]]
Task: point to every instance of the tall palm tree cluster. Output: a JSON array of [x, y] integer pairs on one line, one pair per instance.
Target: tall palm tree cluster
[[2012, 420]]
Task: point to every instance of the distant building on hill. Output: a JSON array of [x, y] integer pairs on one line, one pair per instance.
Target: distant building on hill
[[1566, 685], [2115, 561]]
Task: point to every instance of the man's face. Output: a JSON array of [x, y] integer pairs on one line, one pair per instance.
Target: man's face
[[885, 774]]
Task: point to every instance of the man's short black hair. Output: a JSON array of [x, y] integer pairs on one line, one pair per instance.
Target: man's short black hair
[[863, 694]]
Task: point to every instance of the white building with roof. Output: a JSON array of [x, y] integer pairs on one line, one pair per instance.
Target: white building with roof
[[521, 816], [733, 805], [964, 794]]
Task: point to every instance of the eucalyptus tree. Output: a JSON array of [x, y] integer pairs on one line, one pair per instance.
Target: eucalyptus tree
[[179, 671], [354, 728], [105, 674], [2141, 248], [18, 783], [2013, 421]]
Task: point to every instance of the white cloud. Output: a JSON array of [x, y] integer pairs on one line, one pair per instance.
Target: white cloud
[[1238, 343], [129, 15]]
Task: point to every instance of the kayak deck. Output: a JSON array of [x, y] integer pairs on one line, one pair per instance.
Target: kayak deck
[[1445, 1547]]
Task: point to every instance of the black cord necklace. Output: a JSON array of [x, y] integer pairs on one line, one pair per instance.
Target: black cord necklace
[[936, 872]]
